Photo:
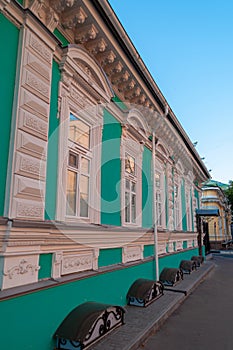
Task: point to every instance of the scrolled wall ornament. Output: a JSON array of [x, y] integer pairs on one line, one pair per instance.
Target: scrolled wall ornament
[[21, 269]]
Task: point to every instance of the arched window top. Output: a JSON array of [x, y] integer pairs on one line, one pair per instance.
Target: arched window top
[[78, 63], [138, 121]]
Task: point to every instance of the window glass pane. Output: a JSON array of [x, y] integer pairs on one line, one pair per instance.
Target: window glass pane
[[83, 205], [85, 165], [133, 187], [127, 207], [73, 160], [79, 131], [129, 164], [84, 184], [84, 189], [133, 208], [127, 184], [71, 193]]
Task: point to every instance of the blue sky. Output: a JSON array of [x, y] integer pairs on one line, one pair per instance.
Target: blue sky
[[187, 45]]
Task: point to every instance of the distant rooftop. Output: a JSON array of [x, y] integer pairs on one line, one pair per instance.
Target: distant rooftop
[[214, 183]]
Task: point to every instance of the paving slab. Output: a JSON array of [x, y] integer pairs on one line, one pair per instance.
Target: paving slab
[[140, 322]]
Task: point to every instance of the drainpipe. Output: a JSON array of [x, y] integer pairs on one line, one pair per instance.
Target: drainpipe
[[155, 214]]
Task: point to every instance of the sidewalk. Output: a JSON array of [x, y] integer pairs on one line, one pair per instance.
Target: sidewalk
[[141, 322]]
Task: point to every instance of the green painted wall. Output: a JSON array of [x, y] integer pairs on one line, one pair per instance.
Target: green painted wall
[[148, 250], [119, 103], [61, 37], [147, 189], [52, 157], [34, 318], [45, 263], [196, 194], [174, 260], [110, 257], [183, 206], [111, 171], [8, 60]]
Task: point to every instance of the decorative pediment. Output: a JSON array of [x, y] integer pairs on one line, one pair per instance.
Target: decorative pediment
[[82, 67], [138, 121]]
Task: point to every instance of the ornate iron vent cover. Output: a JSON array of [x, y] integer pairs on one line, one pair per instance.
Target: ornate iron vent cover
[[198, 260], [187, 266], [86, 324], [170, 276], [143, 292]]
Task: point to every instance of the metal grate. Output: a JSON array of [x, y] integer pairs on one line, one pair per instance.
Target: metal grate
[[143, 292], [86, 324], [198, 260], [187, 266], [170, 276]]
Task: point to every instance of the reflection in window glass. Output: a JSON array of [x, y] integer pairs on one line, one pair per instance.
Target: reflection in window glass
[[127, 207], [129, 164], [85, 165], [71, 193], [79, 131], [84, 189]]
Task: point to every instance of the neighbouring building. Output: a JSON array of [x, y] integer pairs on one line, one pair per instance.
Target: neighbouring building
[[79, 112], [219, 227]]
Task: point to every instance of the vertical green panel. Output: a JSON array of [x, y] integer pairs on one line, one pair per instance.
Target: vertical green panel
[[110, 257], [148, 250], [111, 172], [34, 318], [9, 37], [61, 37], [147, 189], [52, 158], [183, 205], [196, 194], [45, 263]]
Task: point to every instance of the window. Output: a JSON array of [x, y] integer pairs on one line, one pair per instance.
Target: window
[[158, 199], [130, 189], [78, 170], [176, 207]]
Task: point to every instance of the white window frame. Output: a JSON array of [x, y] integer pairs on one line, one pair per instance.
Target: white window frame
[[91, 115], [160, 192], [134, 149], [81, 152]]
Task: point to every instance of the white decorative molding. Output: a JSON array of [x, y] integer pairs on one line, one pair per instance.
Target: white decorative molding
[[39, 47], [33, 104], [30, 167], [77, 263], [161, 248], [31, 124], [132, 253], [29, 188], [35, 85], [3, 4], [31, 145], [56, 264], [170, 247], [28, 211], [33, 63], [195, 243], [179, 245], [20, 270], [189, 243]]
